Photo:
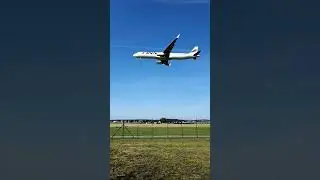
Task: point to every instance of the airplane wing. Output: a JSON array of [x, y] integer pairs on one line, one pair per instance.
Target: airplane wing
[[169, 48]]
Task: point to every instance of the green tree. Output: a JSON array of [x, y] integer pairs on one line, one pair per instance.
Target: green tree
[[163, 120]]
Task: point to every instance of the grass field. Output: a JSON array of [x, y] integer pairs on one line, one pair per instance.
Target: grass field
[[161, 130], [160, 159]]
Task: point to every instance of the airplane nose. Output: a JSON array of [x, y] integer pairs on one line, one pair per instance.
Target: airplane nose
[[135, 55]]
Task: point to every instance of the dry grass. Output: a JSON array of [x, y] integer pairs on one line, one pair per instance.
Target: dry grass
[[160, 159]]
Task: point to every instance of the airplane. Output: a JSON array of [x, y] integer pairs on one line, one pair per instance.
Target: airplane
[[166, 56]]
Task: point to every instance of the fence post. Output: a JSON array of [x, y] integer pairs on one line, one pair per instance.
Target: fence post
[[197, 128], [152, 129], [181, 129], [137, 130], [122, 129], [167, 130]]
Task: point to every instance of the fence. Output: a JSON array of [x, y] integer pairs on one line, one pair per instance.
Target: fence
[[154, 129]]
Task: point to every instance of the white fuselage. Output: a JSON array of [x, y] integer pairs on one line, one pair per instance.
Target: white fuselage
[[157, 55]]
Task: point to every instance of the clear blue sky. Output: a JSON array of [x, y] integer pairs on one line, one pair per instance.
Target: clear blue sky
[[144, 89]]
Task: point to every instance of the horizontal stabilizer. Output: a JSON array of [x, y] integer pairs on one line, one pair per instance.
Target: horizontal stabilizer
[[197, 53]]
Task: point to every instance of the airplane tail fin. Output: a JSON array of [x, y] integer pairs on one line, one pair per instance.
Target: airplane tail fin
[[195, 52], [195, 49]]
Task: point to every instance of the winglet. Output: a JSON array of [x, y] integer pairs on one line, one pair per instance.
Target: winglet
[[178, 36]]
